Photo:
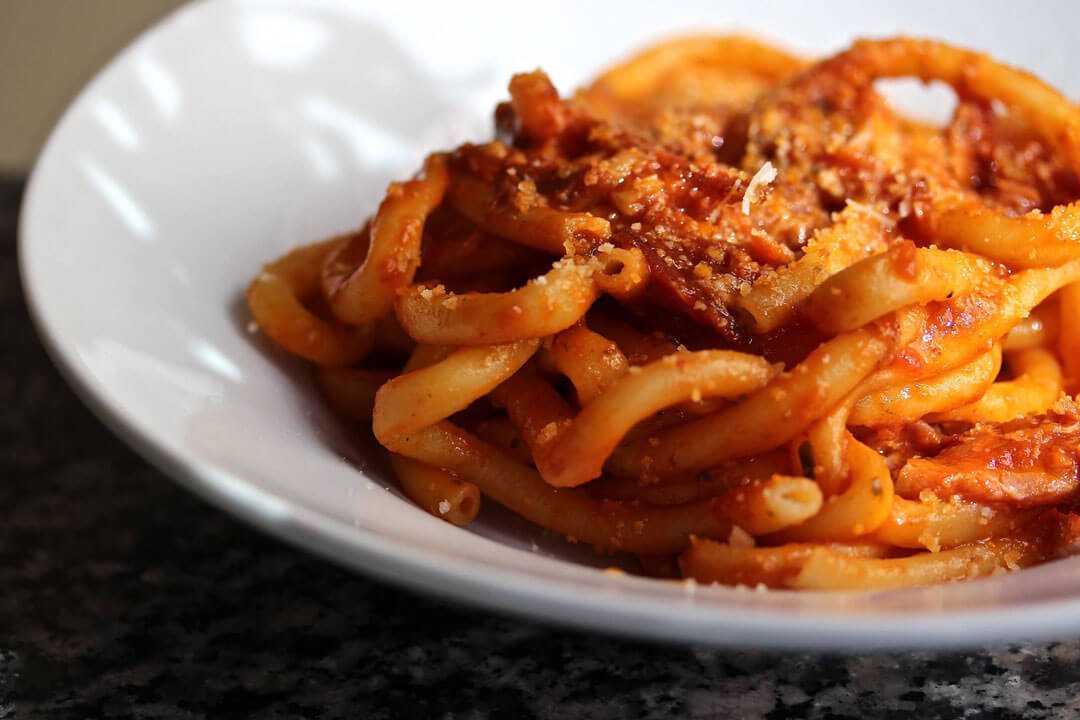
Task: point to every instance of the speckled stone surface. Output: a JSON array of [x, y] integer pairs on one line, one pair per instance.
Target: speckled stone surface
[[123, 596]]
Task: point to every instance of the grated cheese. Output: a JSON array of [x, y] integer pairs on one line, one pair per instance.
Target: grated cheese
[[740, 538], [757, 185]]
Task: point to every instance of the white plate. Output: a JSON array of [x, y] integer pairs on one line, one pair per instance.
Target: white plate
[[235, 130]]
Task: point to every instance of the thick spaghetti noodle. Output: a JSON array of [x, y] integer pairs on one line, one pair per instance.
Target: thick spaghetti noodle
[[730, 308]]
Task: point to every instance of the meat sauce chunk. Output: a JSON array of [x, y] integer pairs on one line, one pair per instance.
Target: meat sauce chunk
[[1027, 462]]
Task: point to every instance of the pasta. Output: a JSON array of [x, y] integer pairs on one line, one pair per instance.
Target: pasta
[[728, 312]]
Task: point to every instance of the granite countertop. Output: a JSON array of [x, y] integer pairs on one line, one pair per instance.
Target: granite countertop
[[124, 596]]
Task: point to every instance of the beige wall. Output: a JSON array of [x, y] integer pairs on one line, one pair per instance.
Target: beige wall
[[48, 50]]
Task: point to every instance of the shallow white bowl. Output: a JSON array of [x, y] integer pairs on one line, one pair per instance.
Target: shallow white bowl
[[235, 130]]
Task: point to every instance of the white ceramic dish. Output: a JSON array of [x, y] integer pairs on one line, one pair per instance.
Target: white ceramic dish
[[234, 130]]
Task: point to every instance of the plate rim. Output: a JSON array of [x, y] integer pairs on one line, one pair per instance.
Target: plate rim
[[548, 600]]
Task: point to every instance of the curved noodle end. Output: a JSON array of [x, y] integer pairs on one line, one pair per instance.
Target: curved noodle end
[[275, 299]]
